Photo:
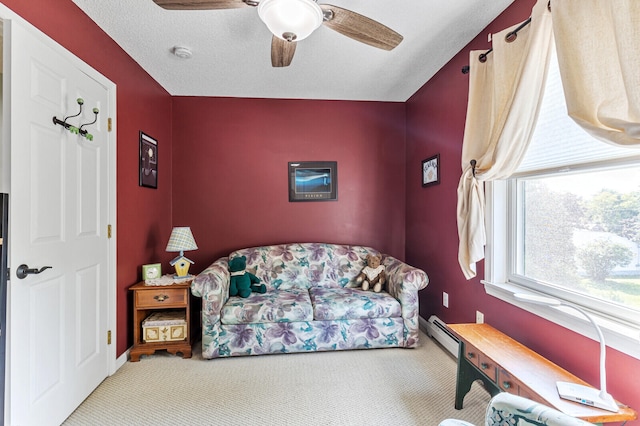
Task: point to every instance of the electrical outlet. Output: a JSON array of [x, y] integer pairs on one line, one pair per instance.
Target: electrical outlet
[[445, 299], [479, 317]]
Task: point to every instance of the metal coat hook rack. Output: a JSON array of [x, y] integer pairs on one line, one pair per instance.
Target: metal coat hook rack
[[77, 130]]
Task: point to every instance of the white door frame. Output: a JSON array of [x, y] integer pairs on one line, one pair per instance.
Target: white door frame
[[7, 14]]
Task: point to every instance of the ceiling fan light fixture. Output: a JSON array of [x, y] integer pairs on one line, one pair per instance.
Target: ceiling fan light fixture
[[290, 19]]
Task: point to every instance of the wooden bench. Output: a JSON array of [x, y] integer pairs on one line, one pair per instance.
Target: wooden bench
[[504, 365]]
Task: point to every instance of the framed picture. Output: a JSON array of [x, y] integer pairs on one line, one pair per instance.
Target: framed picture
[[151, 271], [313, 181], [431, 171], [148, 161]]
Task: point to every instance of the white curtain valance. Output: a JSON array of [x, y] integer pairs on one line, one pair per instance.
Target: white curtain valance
[[598, 44]]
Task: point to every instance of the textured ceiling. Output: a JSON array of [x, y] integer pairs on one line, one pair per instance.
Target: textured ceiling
[[231, 48]]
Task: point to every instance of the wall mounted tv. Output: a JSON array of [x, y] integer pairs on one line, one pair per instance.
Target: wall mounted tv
[[313, 180]]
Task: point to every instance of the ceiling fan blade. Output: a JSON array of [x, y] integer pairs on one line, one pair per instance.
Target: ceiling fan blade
[[360, 28], [282, 52], [203, 4]]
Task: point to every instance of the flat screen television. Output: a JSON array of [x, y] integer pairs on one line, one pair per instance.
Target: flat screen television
[[313, 181]]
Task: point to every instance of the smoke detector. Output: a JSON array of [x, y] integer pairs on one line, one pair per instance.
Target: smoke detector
[[182, 52]]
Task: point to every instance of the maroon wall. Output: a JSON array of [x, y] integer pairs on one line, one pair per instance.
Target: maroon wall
[[143, 215], [230, 184], [230, 157], [435, 124]]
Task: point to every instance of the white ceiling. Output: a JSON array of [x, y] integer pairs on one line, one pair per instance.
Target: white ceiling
[[231, 48]]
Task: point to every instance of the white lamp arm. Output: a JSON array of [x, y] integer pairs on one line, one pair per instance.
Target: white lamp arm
[[604, 400], [603, 350]]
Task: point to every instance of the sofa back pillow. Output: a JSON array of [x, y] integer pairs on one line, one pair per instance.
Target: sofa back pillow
[[305, 265]]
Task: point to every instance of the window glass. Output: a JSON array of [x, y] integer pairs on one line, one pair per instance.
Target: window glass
[[557, 141], [574, 214], [581, 233]]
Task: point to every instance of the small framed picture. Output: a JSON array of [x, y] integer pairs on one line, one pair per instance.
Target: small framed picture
[[153, 270], [313, 181], [148, 161], [431, 171]]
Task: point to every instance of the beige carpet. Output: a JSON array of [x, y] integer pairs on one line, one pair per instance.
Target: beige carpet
[[365, 387]]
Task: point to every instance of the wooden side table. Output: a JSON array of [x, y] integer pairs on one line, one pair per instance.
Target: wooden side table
[[504, 365], [148, 299]]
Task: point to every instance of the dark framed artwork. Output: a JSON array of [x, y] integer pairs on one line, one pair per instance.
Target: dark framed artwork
[[148, 161], [431, 171], [313, 181]]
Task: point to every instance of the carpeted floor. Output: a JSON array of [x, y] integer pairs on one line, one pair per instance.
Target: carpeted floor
[[366, 387]]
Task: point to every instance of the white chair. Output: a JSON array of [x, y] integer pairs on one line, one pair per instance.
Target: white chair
[[508, 409]]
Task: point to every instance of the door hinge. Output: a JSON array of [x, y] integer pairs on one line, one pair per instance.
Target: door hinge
[[108, 231], [109, 124], [109, 337]]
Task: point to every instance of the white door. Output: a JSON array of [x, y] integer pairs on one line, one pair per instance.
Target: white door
[[59, 212]]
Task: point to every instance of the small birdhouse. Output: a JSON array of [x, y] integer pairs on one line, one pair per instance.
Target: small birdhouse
[[181, 264]]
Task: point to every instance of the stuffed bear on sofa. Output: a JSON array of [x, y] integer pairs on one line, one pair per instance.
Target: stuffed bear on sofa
[[242, 283]]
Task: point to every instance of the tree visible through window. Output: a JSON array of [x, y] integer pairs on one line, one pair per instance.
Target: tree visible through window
[[581, 232], [574, 214]]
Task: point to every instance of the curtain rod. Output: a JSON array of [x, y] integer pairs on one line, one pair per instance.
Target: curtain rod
[[510, 37]]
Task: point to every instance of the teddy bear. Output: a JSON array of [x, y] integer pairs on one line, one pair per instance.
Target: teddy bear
[[242, 281], [373, 274]]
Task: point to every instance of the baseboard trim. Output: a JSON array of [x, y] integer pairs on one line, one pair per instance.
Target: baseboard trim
[[422, 323], [122, 359]]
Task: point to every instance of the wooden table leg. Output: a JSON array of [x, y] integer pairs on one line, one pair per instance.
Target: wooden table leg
[[467, 374]]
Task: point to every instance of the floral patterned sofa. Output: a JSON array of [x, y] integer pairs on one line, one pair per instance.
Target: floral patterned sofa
[[309, 305]]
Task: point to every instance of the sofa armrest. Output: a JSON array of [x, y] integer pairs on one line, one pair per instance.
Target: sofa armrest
[[509, 409], [403, 283], [505, 408], [215, 279], [212, 285]]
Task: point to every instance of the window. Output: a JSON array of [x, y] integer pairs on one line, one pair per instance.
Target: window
[[567, 225]]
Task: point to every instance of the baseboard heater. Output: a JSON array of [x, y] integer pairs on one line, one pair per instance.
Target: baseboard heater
[[438, 330]]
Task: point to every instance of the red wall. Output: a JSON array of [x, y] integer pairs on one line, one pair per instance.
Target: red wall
[[230, 184], [143, 215], [435, 124], [230, 158]]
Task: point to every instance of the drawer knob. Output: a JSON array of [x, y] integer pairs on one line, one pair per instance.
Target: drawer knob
[[161, 297], [471, 354], [484, 365], [506, 385]]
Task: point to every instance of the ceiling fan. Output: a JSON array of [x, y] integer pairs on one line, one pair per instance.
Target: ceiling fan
[[293, 20]]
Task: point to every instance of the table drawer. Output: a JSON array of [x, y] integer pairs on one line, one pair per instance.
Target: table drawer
[[487, 366], [526, 393], [507, 383], [161, 297], [472, 354]]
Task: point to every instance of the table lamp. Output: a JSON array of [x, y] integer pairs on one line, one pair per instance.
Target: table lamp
[[181, 239], [572, 391]]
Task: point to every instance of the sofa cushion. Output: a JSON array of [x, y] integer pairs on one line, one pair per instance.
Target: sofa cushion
[[273, 306], [352, 303]]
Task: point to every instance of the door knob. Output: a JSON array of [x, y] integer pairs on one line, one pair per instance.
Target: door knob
[[24, 270]]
